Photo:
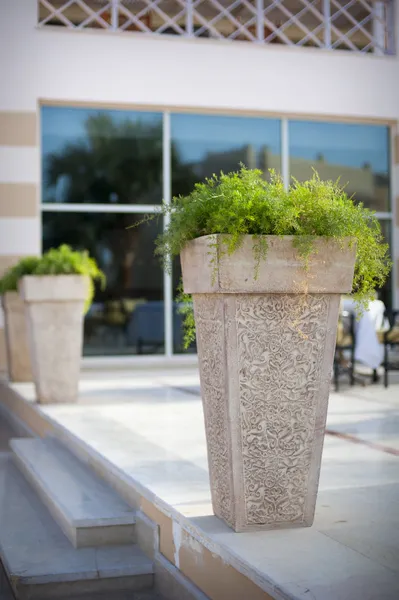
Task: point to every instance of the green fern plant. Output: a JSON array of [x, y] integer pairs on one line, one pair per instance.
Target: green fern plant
[[26, 266], [66, 261], [244, 203], [57, 261], [185, 308]]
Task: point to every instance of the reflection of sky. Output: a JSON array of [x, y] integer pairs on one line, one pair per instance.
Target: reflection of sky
[[65, 125], [197, 135], [341, 143], [61, 125]]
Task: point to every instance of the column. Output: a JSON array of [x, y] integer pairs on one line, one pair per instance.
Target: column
[[19, 146], [379, 28]]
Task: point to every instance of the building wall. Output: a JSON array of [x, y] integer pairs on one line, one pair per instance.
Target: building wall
[[19, 193], [97, 68], [90, 66]]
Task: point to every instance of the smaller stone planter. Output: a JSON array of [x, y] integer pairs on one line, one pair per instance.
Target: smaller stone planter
[[18, 357], [54, 307], [265, 349]]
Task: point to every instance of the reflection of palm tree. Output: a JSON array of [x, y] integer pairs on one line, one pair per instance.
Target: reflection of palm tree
[[115, 162]]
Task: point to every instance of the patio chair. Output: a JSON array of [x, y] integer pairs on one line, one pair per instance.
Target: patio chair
[[344, 359], [390, 340]]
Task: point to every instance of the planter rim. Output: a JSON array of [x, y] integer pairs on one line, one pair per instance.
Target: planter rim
[[8, 295], [53, 288], [9, 299], [57, 276], [319, 239], [270, 235], [330, 269]]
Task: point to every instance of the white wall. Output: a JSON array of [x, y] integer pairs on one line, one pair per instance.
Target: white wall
[[20, 236], [135, 69], [19, 165]]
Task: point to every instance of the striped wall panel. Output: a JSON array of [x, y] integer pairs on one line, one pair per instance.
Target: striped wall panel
[[19, 194]]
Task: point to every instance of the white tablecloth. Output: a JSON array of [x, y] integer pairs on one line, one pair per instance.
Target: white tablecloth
[[368, 350]]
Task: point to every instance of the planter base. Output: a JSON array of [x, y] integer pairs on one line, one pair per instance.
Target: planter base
[[54, 309], [266, 348], [265, 368], [18, 358], [56, 346]]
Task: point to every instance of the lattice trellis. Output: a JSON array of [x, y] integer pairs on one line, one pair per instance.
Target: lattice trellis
[[229, 20], [75, 14], [157, 16], [367, 32], [298, 22], [356, 25]]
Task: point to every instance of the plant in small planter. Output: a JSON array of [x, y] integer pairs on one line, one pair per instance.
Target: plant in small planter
[[18, 358], [266, 267], [56, 294]]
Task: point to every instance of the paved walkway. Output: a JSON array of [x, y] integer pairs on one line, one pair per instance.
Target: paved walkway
[[150, 425], [5, 435]]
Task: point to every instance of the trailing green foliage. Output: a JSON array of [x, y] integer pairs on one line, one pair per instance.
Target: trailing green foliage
[[26, 266], [186, 310], [244, 203], [57, 261]]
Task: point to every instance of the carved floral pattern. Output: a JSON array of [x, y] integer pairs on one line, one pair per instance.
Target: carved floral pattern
[[210, 340], [281, 340]]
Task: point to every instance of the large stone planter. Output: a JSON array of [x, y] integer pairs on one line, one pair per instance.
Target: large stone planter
[[18, 357], [266, 351], [54, 310]]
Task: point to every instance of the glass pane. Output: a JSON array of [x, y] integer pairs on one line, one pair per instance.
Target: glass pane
[[358, 155], [101, 156], [203, 145], [178, 333], [127, 317], [385, 293]]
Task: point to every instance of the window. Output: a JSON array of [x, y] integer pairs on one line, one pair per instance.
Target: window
[[101, 156], [104, 170], [100, 170], [386, 293], [206, 144], [128, 316], [357, 155]]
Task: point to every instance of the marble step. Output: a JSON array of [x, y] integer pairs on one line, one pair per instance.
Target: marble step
[[41, 563], [5, 588], [88, 511], [149, 595]]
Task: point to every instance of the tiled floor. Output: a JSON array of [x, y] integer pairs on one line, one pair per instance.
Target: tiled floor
[[5, 435], [150, 425]]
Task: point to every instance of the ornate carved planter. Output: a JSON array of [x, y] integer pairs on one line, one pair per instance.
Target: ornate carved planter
[[54, 310], [266, 352], [18, 358]]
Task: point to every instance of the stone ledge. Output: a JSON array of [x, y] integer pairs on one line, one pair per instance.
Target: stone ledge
[[141, 466]]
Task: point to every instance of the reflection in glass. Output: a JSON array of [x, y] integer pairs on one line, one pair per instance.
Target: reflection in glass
[[178, 333], [101, 156], [385, 293], [128, 316], [358, 155], [206, 144]]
